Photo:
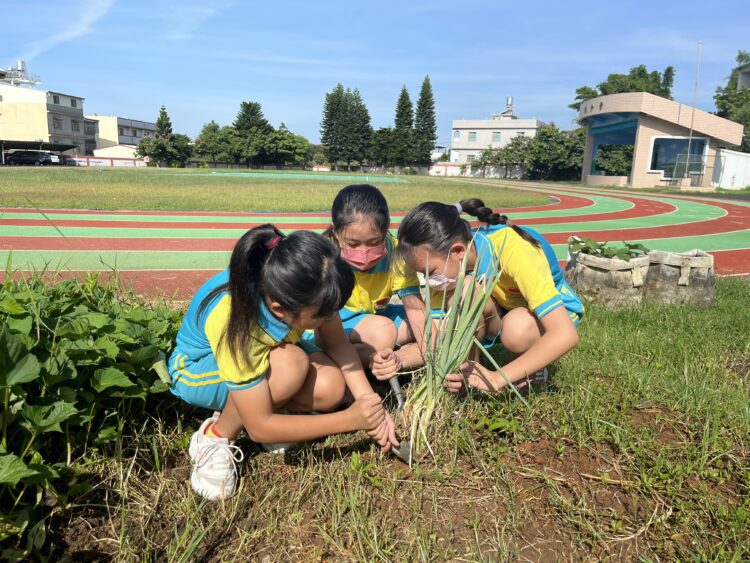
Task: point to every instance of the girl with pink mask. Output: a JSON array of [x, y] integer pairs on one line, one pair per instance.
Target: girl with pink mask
[[381, 331]]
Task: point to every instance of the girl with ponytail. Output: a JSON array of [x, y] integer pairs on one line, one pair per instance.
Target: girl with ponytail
[[533, 311], [238, 352]]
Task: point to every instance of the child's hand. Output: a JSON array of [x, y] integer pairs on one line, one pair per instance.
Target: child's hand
[[473, 374], [385, 434], [385, 364], [368, 412]]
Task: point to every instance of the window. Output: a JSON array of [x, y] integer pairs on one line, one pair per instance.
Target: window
[[135, 132], [89, 128], [665, 152], [55, 99], [470, 157], [75, 125], [56, 123], [496, 136], [122, 131], [73, 103], [472, 136], [456, 135]]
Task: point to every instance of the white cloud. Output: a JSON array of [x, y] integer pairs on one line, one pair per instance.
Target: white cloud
[[91, 11], [184, 18]]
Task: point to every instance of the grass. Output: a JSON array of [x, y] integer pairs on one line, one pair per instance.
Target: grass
[[192, 190], [641, 452]]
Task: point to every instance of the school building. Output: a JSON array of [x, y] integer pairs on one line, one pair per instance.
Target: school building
[[673, 144]]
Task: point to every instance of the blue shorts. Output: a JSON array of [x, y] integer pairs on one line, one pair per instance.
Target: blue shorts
[[350, 320]]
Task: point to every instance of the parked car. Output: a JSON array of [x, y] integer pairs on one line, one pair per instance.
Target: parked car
[[67, 160], [55, 159], [37, 158]]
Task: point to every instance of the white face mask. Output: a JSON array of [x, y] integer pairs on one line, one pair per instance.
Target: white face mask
[[441, 282]]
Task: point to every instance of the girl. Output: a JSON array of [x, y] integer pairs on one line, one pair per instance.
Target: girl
[[236, 352], [533, 310], [360, 223]]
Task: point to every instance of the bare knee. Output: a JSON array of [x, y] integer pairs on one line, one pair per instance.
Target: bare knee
[[377, 332], [293, 363], [330, 386], [520, 331]]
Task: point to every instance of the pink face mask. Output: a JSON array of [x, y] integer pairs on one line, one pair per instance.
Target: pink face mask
[[364, 259]]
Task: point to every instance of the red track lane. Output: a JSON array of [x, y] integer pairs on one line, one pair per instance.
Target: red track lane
[[641, 208], [737, 219]]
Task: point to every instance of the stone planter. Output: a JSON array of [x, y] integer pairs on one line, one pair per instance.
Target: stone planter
[[611, 282], [680, 278]]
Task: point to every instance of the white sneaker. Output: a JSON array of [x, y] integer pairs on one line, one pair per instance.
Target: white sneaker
[[214, 474]]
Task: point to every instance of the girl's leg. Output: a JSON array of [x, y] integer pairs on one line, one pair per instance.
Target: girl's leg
[[373, 333], [323, 389], [288, 359], [521, 329], [409, 352]]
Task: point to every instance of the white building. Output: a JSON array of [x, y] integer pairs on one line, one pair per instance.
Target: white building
[[471, 136], [114, 131], [28, 114]]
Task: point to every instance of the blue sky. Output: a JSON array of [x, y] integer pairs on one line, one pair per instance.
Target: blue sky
[[201, 59]]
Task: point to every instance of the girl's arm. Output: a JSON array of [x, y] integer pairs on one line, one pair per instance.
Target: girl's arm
[[417, 315], [560, 336], [342, 352], [255, 410]]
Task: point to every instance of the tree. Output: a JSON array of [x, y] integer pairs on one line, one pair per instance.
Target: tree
[[182, 149], [165, 147], [733, 102], [639, 79], [207, 144], [284, 147], [403, 130], [332, 125], [358, 131], [253, 129], [555, 154], [382, 148], [425, 128]]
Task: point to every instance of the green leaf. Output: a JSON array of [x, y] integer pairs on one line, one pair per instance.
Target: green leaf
[[26, 369], [16, 366], [110, 377], [109, 348], [143, 354], [47, 418], [21, 326], [12, 469], [161, 369], [11, 306]]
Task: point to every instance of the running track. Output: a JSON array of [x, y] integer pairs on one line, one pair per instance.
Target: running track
[[173, 253]]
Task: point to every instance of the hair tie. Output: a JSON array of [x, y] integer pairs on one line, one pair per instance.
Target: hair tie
[[458, 207], [273, 242]]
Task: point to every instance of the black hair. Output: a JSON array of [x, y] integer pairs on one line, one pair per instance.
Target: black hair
[[438, 226], [297, 271], [356, 203]]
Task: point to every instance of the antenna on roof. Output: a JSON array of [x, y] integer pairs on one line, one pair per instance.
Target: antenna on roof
[[18, 76]]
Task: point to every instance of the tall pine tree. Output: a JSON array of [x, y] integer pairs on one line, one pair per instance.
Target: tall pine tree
[[332, 126], [358, 128], [403, 130], [254, 131], [425, 128]]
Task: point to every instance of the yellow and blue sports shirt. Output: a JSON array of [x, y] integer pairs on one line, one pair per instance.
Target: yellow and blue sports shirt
[[531, 275], [374, 288], [201, 332]]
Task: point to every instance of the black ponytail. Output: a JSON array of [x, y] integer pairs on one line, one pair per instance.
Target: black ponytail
[[477, 208], [297, 271]]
